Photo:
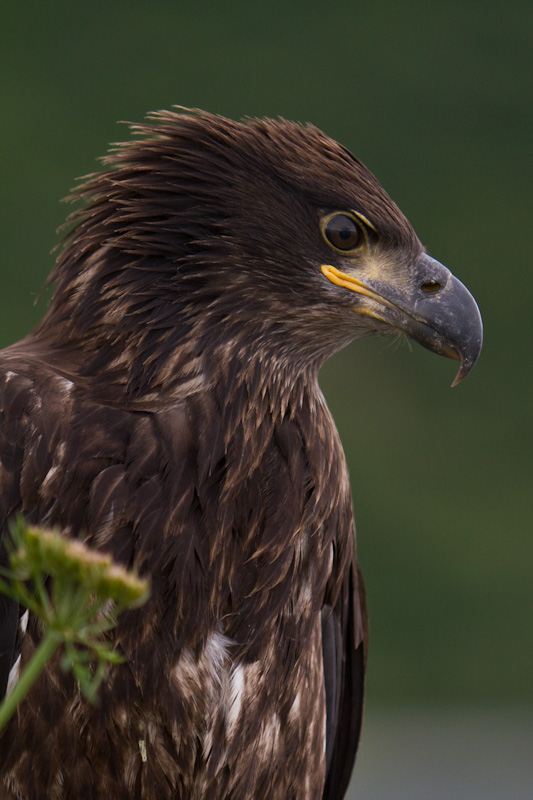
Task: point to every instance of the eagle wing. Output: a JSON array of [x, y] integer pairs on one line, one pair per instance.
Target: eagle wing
[[14, 420], [71, 463], [344, 656]]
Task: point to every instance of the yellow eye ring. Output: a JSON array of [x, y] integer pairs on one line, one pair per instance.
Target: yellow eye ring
[[344, 231]]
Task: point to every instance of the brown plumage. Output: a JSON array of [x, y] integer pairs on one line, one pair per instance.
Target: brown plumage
[[167, 408]]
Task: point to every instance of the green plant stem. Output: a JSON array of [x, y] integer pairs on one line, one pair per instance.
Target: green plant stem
[[44, 652]]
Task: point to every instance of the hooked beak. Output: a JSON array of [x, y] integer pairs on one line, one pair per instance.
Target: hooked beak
[[439, 312]]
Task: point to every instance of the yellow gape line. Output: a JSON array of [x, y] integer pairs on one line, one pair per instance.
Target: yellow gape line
[[349, 282]]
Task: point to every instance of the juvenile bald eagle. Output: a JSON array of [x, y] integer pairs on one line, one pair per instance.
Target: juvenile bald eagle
[[167, 409]]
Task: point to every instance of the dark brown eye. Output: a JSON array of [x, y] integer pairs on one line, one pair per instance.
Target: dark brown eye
[[343, 233]]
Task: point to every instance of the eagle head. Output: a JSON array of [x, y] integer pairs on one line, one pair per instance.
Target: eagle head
[[208, 235]]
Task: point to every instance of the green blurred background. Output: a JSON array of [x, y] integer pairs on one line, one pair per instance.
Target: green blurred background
[[436, 100]]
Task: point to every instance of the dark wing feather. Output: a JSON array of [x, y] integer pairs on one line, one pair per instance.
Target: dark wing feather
[[8, 633], [15, 396], [332, 656], [344, 657]]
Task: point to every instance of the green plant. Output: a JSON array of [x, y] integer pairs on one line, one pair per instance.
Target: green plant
[[78, 594]]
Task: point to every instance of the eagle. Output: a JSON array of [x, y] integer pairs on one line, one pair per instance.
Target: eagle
[[167, 411]]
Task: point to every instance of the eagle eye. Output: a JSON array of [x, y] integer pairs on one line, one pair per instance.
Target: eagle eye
[[342, 232]]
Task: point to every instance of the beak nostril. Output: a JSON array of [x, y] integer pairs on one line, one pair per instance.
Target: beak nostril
[[430, 287]]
